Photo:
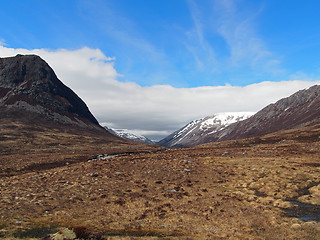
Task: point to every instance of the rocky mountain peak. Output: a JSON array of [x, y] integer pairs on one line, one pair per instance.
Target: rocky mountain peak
[[297, 99], [301, 107], [28, 82]]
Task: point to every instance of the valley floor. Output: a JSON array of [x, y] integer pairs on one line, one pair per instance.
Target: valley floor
[[258, 188]]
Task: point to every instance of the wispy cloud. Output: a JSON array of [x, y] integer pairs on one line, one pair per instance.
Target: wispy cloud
[[197, 44], [243, 47], [127, 36], [238, 31], [3, 42]]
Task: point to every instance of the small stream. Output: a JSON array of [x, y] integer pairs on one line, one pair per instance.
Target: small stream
[[304, 211]]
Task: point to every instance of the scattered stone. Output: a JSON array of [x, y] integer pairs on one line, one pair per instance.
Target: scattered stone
[[172, 191], [225, 153], [188, 161], [94, 174], [296, 226], [63, 234]]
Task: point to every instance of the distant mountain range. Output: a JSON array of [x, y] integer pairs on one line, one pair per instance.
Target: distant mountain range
[[193, 131], [125, 133], [300, 108], [31, 92]]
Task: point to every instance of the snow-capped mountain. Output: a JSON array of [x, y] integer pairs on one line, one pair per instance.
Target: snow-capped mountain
[[301, 108], [193, 131], [125, 133]]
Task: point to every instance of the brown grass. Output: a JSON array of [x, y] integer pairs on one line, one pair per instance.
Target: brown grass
[[235, 189]]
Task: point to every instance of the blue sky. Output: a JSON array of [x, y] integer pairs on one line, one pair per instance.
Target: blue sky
[[151, 66], [177, 42]]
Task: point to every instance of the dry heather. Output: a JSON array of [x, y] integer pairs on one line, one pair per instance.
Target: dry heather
[[257, 188]]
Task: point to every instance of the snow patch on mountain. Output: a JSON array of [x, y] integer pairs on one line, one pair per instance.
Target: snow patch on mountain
[[190, 133], [188, 128], [125, 133], [222, 120]]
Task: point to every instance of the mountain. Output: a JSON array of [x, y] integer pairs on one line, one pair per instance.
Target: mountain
[[301, 108], [124, 133], [30, 89], [197, 129], [43, 123]]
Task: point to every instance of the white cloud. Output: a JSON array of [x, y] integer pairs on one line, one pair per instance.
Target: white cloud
[[154, 110]]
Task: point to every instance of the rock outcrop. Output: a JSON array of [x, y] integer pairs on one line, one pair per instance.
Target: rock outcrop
[[28, 86]]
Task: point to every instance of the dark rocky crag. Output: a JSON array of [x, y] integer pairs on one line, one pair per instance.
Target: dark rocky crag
[[44, 124], [301, 108], [28, 86]]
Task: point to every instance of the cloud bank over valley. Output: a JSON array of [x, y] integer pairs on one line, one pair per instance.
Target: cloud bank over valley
[[154, 111]]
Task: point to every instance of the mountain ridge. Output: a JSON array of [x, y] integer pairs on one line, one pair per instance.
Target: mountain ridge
[[28, 85], [190, 133], [127, 134], [299, 108]]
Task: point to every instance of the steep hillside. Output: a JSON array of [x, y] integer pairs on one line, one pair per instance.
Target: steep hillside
[[298, 109], [43, 123], [193, 131], [28, 86]]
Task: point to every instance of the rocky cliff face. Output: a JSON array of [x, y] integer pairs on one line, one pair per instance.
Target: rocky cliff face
[[28, 84], [300, 108]]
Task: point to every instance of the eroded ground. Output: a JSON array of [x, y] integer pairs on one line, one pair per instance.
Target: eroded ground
[[245, 189]]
